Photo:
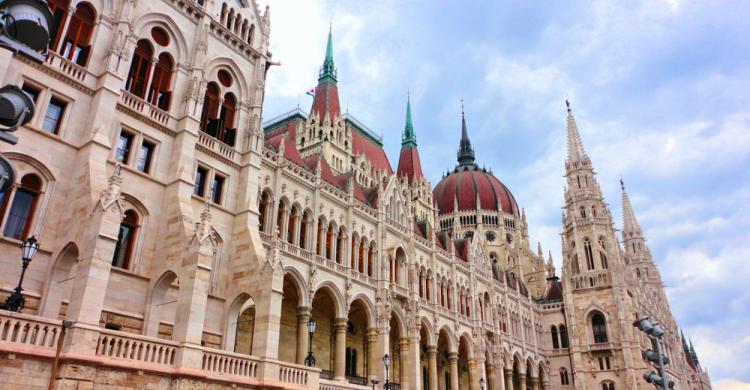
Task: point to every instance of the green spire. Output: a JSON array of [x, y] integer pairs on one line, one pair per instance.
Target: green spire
[[328, 70], [409, 139]]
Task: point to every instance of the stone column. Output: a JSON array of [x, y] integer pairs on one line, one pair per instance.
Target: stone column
[[403, 360], [453, 358], [339, 366], [534, 383], [473, 377], [522, 380], [508, 379], [372, 357], [432, 366], [268, 319], [354, 258], [334, 240], [500, 377], [323, 241], [303, 338], [491, 377]]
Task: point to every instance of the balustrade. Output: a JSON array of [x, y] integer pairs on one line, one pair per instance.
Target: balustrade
[[138, 348], [16, 328]]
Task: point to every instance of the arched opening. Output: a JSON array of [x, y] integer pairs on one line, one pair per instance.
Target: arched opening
[[244, 327], [398, 265], [564, 379], [529, 375], [518, 375], [399, 346], [77, 44], [357, 347], [291, 226], [264, 211], [321, 236], [330, 241], [541, 377], [59, 10], [22, 207], [465, 374], [125, 240], [599, 328], [305, 229], [162, 306], [563, 336], [210, 113], [443, 360], [371, 260], [226, 130], [60, 283], [324, 306], [589, 254], [341, 245], [159, 93], [140, 68], [288, 331], [281, 218], [555, 341]]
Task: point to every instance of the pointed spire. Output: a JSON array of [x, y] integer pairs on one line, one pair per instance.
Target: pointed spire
[[328, 70], [465, 151], [630, 223], [575, 146], [409, 138], [692, 353]]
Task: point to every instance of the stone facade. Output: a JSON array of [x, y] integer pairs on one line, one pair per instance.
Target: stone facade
[[187, 246]]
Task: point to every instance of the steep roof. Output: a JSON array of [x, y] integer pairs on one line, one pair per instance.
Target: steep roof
[[409, 164], [361, 145]]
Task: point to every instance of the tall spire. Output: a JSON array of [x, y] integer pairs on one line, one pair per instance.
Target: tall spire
[[328, 70], [630, 224], [465, 151], [575, 146], [409, 138]]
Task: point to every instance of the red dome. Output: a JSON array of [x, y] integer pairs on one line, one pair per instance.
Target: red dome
[[467, 183]]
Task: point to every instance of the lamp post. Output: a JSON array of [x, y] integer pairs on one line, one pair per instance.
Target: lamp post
[[387, 363], [374, 382], [310, 359], [481, 384], [654, 331], [16, 300]]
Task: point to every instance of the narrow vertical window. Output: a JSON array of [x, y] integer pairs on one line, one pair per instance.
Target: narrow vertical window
[[124, 145], [200, 181], [209, 123], [589, 254], [599, 328], [140, 68], [22, 209], [77, 44], [217, 188], [228, 132], [59, 10], [53, 116], [159, 93], [144, 156], [31, 91], [125, 240], [555, 342]]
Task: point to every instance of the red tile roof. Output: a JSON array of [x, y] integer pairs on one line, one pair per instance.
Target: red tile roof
[[326, 101], [362, 146], [290, 149], [467, 185], [409, 164]]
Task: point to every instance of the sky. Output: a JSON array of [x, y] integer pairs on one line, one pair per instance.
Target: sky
[[659, 89]]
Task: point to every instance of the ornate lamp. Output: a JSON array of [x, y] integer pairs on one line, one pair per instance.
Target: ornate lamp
[[16, 301], [310, 359]]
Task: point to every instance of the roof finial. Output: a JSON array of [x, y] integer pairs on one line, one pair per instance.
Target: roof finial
[[622, 183], [409, 138], [465, 151], [462, 107], [328, 70], [567, 103]]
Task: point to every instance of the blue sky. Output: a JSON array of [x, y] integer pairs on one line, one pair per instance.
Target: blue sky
[[659, 90]]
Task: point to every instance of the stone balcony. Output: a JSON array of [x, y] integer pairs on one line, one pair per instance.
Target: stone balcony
[[37, 337]]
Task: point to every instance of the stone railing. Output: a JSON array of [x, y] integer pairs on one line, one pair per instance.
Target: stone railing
[[228, 363], [328, 384], [25, 331], [294, 374], [66, 67], [132, 347], [215, 145], [144, 108]]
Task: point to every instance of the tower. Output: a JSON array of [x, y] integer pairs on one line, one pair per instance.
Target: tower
[[410, 169], [598, 307]]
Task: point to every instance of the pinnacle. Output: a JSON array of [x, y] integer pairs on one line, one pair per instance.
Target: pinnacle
[[630, 223], [409, 138], [575, 145]]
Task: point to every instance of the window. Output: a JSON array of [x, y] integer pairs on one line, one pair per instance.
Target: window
[[604, 363], [599, 327], [210, 112], [603, 259], [589, 254], [125, 240], [124, 145], [564, 376], [59, 10], [217, 188], [53, 116], [159, 93], [31, 91], [140, 67], [563, 337], [608, 386], [200, 181], [228, 132], [22, 209], [76, 46], [555, 342], [144, 156]]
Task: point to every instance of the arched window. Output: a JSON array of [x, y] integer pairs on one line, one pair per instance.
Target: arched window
[[77, 44], [227, 129], [251, 34], [210, 114], [583, 212], [22, 208], [608, 386], [125, 240], [59, 10], [555, 342], [564, 376], [589, 254], [599, 327], [159, 93], [140, 68], [563, 336]]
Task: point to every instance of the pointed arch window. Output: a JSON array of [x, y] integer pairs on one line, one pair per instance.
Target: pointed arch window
[[159, 93], [140, 68], [59, 10], [599, 328], [77, 44], [22, 207], [125, 240], [563, 336], [589, 254], [226, 119], [564, 377], [210, 112], [555, 341]]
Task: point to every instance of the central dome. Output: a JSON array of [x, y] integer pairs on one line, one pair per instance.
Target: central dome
[[468, 184]]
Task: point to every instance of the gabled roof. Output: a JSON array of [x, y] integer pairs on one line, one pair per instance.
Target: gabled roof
[[409, 164], [361, 145], [286, 133]]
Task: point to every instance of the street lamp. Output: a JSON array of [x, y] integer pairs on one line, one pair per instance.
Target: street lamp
[[387, 363], [481, 384], [310, 359], [25, 27], [654, 331], [16, 300]]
